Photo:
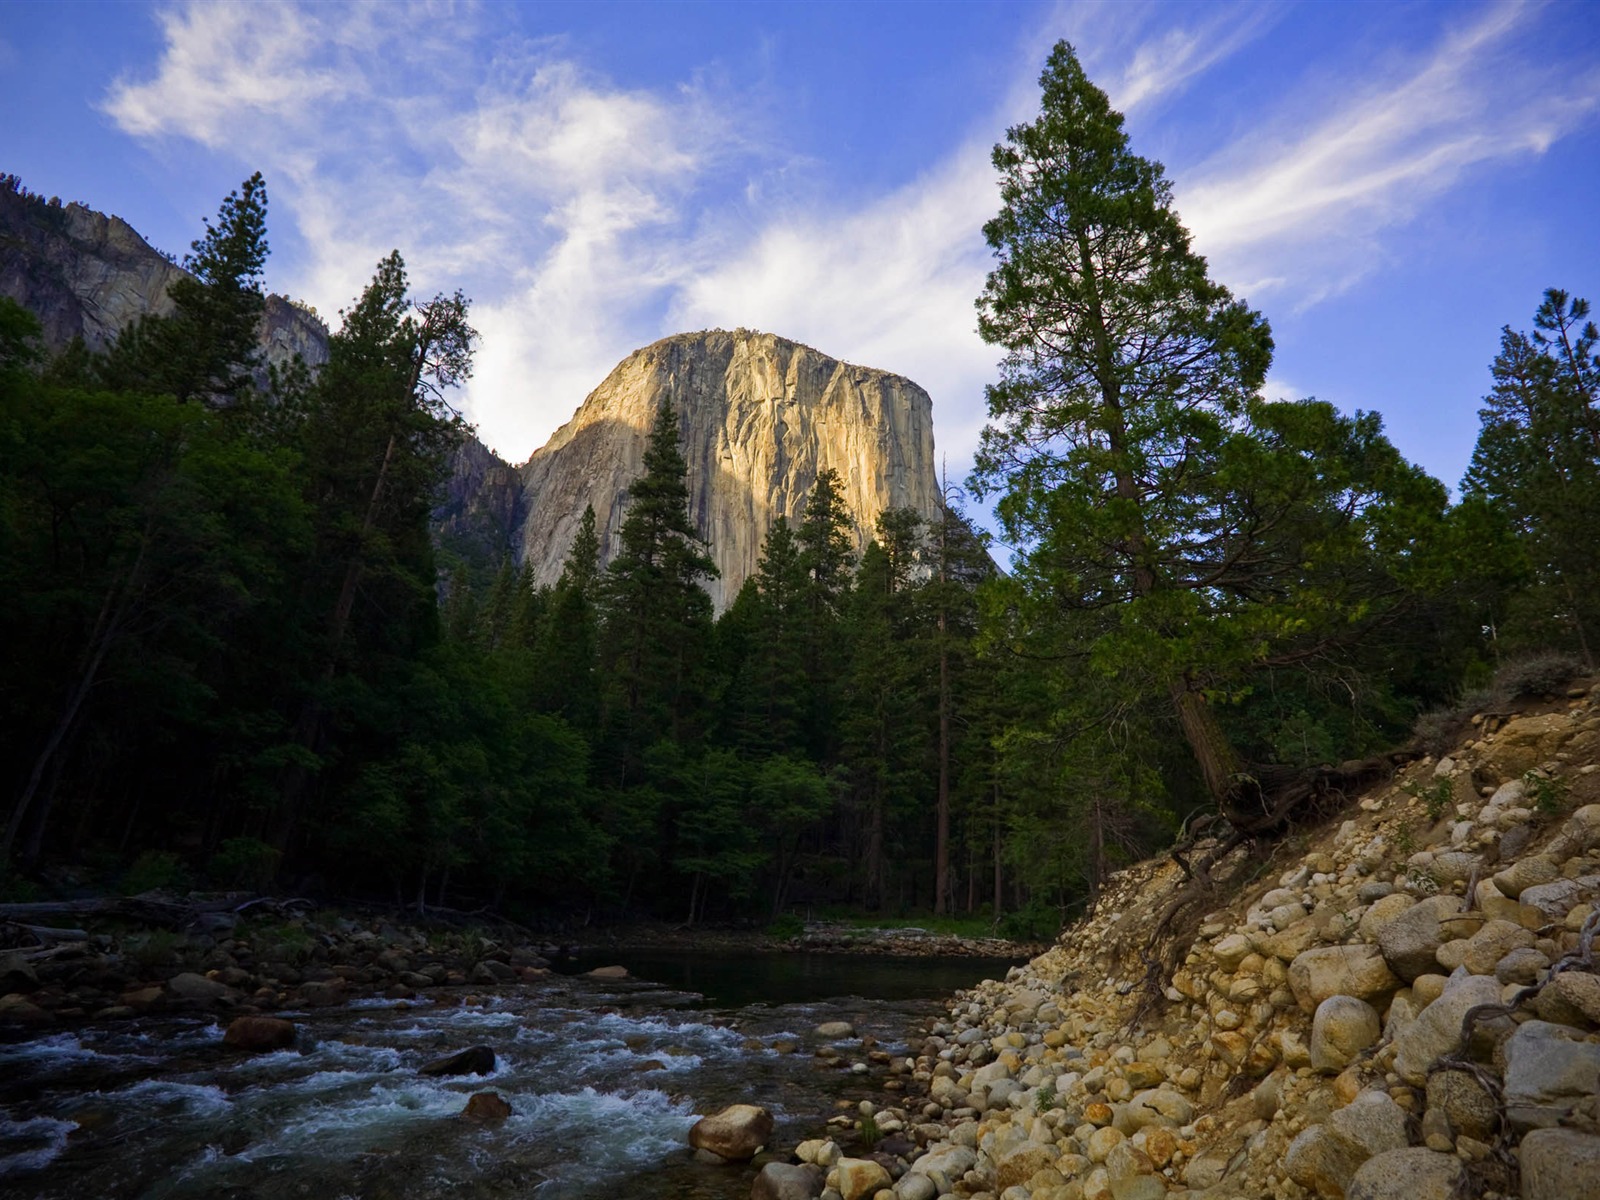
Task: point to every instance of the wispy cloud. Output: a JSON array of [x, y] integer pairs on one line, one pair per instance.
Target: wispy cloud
[[1298, 206]]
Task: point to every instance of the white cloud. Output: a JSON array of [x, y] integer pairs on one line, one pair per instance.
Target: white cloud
[[1297, 206]]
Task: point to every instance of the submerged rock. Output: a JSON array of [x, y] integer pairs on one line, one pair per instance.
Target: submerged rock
[[475, 1060], [486, 1106]]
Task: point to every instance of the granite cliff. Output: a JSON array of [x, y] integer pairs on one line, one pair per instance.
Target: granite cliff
[[761, 416], [85, 274]]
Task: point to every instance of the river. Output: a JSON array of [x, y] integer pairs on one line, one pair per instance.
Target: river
[[604, 1078]]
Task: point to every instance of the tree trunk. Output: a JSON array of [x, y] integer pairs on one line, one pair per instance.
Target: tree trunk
[[941, 853]]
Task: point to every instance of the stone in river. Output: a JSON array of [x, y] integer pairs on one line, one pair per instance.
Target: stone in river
[[608, 973], [486, 1106], [475, 1060], [259, 1033], [788, 1181], [836, 1029], [735, 1133]]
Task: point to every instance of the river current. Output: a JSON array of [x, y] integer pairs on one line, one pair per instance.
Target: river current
[[604, 1079]]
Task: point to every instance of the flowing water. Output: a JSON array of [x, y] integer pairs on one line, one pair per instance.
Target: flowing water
[[604, 1078]]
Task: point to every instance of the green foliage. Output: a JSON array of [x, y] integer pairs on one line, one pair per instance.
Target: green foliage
[[1551, 793], [1537, 465], [156, 870], [1438, 799], [244, 862], [1045, 1098], [785, 927]]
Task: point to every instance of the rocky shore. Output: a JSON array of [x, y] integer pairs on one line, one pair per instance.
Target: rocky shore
[[1401, 1005]]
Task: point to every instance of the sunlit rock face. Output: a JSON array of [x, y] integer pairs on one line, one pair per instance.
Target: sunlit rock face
[[761, 417], [84, 274]]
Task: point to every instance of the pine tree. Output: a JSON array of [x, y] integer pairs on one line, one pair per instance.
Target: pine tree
[[1139, 472], [656, 614], [1537, 463]]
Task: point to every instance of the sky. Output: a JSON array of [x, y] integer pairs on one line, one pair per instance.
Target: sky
[[1389, 183]]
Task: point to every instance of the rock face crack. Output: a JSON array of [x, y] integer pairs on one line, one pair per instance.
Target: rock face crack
[[761, 417]]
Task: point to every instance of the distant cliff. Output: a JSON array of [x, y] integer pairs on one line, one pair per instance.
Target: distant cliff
[[84, 274], [761, 416]]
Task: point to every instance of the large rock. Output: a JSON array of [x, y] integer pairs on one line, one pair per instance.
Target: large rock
[[735, 1133], [1464, 1103], [788, 1181], [1437, 1030], [189, 986], [1359, 971], [474, 1060], [1549, 1070], [1526, 873], [945, 1163], [1571, 998], [259, 1034], [486, 1108], [1560, 1164], [1342, 1028], [761, 417], [84, 274], [1412, 939], [1555, 900], [1413, 1174], [860, 1178], [1325, 1158]]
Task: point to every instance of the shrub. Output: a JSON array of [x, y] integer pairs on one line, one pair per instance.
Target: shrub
[[244, 862], [156, 870], [1538, 675], [785, 928]]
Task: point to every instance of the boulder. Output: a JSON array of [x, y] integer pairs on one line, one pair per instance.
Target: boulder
[[1342, 1028], [475, 1060], [189, 986], [1554, 900], [1411, 1174], [836, 1029], [1579, 834], [1549, 1070], [1372, 1121], [788, 1181], [1560, 1164], [17, 1009], [1323, 1161], [486, 1107], [1382, 913], [1410, 942], [1526, 873], [735, 1133], [944, 1163], [1358, 970], [1462, 1101], [916, 1187], [259, 1034], [1437, 1029], [1571, 998], [859, 1178], [1494, 941], [608, 973]]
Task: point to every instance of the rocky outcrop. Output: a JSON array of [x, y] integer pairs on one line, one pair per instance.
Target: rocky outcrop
[[85, 274], [1407, 1001], [761, 416], [481, 507]]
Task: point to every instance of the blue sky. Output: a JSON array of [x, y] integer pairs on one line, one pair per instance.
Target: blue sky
[[1389, 183]]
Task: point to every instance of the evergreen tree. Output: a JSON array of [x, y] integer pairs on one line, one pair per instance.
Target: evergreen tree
[[1537, 463], [825, 562], [657, 616], [208, 348], [1139, 473]]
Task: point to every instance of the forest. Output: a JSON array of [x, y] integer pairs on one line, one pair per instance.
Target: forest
[[233, 656]]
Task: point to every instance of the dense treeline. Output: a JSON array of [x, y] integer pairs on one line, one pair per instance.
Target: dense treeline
[[231, 657]]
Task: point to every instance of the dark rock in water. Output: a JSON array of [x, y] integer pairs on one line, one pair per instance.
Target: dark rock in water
[[260, 1033], [736, 1132], [486, 1106], [786, 1181], [16, 1009], [475, 1060]]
